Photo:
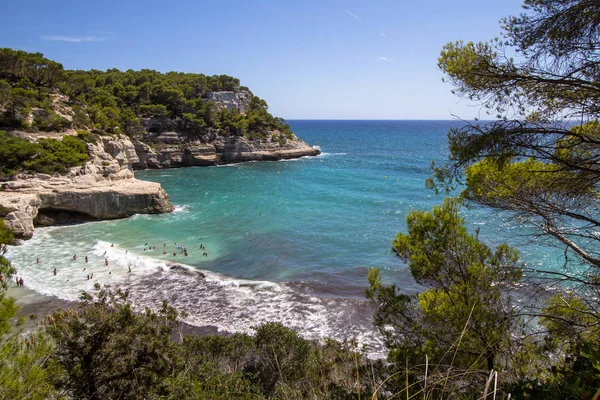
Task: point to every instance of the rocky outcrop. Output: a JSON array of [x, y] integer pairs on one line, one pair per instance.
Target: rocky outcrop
[[172, 149], [239, 101], [104, 188]]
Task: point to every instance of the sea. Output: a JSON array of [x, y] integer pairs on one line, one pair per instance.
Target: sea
[[288, 241]]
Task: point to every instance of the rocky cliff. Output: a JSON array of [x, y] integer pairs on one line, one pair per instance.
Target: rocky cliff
[[176, 149], [168, 143], [104, 188]]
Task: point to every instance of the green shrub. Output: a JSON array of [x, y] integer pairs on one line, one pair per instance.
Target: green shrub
[[47, 156], [87, 137]]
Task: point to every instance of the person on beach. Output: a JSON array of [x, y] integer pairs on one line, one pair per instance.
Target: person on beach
[[54, 271]]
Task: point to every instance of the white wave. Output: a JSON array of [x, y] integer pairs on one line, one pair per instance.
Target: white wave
[[181, 208], [208, 298], [331, 154]]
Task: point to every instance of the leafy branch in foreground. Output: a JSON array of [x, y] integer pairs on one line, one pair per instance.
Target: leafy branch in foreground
[[464, 319], [540, 162]]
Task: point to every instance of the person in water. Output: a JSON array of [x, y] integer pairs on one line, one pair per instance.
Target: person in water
[[37, 260], [86, 259], [55, 271], [106, 262], [74, 257]]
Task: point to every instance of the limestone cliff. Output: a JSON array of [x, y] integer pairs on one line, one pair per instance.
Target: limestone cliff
[[104, 188], [177, 149], [169, 143]]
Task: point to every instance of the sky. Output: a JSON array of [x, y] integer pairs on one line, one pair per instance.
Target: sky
[[310, 59]]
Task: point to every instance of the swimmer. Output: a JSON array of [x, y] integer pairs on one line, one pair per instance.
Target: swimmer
[[84, 269], [112, 245], [174, 253], [37, 260], [164, 252]]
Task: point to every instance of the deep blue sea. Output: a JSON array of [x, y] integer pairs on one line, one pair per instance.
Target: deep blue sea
[[287, 241]]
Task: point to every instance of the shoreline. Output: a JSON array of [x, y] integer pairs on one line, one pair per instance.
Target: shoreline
[[32, 303]]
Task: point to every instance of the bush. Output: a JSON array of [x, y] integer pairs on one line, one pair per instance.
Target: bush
[[47, 156]]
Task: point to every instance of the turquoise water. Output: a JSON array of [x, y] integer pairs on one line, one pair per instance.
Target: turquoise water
[[289, 241]]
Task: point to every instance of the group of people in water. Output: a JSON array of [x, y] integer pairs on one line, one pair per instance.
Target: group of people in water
[[182, 250]]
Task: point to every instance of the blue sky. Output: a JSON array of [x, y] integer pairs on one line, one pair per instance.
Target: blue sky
[[308, 59]]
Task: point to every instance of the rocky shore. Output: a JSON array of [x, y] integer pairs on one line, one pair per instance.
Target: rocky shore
[[105, 187]]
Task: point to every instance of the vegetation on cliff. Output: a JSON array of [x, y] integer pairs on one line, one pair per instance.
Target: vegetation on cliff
[[46, 155], [33, 90]]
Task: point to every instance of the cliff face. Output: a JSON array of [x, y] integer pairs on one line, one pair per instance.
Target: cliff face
[[173, 149], [168, 144], [104, 188]]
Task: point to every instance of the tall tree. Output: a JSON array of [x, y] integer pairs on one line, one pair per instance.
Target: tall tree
[[463, 320], [540, 160]]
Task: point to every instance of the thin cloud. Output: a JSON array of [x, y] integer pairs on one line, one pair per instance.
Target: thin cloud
[[382, 34], [349, 13], [386, 60], [73, 39]]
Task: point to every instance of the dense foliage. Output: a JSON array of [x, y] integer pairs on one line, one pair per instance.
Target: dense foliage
[[33, 89], [460, 323], [539, 162], [24, 365], [45, 156]]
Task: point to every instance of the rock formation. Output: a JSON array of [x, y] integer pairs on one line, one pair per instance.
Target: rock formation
[[104, 188], [173, 149]]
